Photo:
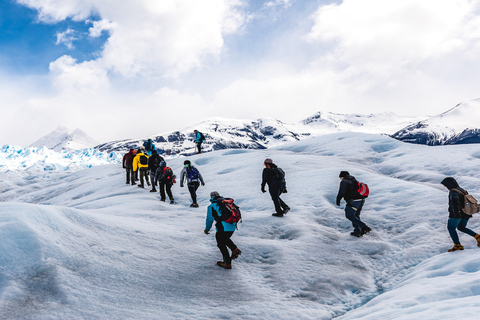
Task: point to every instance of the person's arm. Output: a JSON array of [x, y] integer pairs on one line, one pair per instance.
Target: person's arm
[[210, 218], [341, 191], [182, 176], [264, 179], [201, 178]]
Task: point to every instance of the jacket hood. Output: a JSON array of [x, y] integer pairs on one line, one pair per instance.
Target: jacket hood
[[450, 183]]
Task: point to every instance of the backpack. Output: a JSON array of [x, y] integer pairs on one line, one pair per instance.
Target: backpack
[[230, 212], [278, 174], [193, 174], [168, 174], [471, 205], [143, 159], [202, 137], [363, 190]]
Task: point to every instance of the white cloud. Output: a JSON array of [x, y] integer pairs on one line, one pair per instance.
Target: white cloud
[[99, 26], [67, 37]]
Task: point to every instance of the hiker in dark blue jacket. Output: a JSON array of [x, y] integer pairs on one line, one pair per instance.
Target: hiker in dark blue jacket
[[457, 219], [349, 191], [223, 233], [275, 178]]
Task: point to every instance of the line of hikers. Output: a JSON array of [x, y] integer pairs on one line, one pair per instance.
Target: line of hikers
[[352, 191]]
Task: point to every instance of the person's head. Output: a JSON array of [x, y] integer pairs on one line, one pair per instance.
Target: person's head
[[214, 194], [149, 140], [343, 174], [195, 131], [450, 183], [163, 164], [131, 149], [187, 163], [268, 162], [154, 151], [139, 150]]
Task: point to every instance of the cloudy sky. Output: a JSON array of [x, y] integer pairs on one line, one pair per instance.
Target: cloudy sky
[[133, 68]]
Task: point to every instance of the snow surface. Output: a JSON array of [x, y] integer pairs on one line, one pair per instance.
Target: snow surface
[[81, 244]]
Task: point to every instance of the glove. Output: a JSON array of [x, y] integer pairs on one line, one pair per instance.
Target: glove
[[338, 204], [285, 190], [206, 231], [203, 184], [263, 190], [124, 167]]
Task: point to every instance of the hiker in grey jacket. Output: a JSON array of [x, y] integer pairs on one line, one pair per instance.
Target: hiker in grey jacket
[[193, 178]]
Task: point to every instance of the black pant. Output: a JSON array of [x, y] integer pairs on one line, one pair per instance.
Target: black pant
[[130, 174], [224, 241], [199, 147], [165, 185], [275, 193], [192, 187]]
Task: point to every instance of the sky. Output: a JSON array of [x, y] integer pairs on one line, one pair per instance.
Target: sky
[[132, 69]]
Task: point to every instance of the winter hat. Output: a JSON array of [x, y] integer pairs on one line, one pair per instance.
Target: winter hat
[[214, 194], [268, 161], [186, 162], [343, 174], [163, 164]]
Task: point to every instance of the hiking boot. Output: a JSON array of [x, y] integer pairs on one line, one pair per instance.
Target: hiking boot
[[134, 184], [223, 265], [141, 186], [366, 230], [194, 205], [172, 201], [153, 190], [477, 236], [128, 182], [286, 210], [277, 214], [355, 234], [162, 200], [456, 247], [236, 253]]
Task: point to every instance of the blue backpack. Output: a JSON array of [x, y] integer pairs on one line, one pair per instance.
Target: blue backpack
[[193, 173]]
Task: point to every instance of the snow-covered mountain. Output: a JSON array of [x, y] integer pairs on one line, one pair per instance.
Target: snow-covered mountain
[[262, 133], [62, 139], [82, 244], [459, 125]]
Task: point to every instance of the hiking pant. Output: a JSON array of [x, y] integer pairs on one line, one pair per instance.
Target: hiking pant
[[163, 186], [130, 174], [199, 147], [224, 241], [144, 173], [192, 188], [352, 213], [275, 193], [152, 179], [460, 224]]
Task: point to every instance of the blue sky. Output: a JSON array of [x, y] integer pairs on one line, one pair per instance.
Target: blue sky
[[82, 64]]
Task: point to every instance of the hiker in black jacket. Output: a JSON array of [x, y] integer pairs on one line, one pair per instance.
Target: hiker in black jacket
[[153, 163], [349, 191], [457, 219], [275, 178]]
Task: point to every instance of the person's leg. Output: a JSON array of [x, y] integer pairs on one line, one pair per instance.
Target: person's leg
[[142, 173], [462, 226], [351, 214], [452, 229], [168, 186], [222, 238], [192, 187], [229, 241], [162, 190], [275, 195], [127, 170], [199, 147]]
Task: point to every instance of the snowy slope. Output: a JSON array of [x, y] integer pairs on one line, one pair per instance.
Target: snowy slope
[[62, 139], [459, 125], [263, 133], [84, 244]]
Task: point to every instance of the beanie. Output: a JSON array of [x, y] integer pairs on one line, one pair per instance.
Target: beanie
[[214, 194], [343, 174], [268, 161], [186, 162]]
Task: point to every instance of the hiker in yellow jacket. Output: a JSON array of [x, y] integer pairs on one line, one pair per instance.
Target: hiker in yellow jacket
[[140, 162]]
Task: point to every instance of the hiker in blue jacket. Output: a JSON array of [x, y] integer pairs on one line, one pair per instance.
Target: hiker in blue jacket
[[224, 232], [199, 138], [349, 191], [193, 178], [457, 219]]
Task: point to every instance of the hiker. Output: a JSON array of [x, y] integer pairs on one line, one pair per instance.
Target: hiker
[[149, 146], [153, 164], [224, 231], [199, 138], [457, 219], [127, 165], [140, 163], [349, 191], [193, 178], [275, 178], [166, 179]]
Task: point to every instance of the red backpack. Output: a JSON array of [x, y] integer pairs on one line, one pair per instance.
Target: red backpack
[[363, 190], [229, 210]]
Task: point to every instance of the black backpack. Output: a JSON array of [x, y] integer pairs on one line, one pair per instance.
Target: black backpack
[[278, 174], [143, 159], [202, 137], [230, 212]]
